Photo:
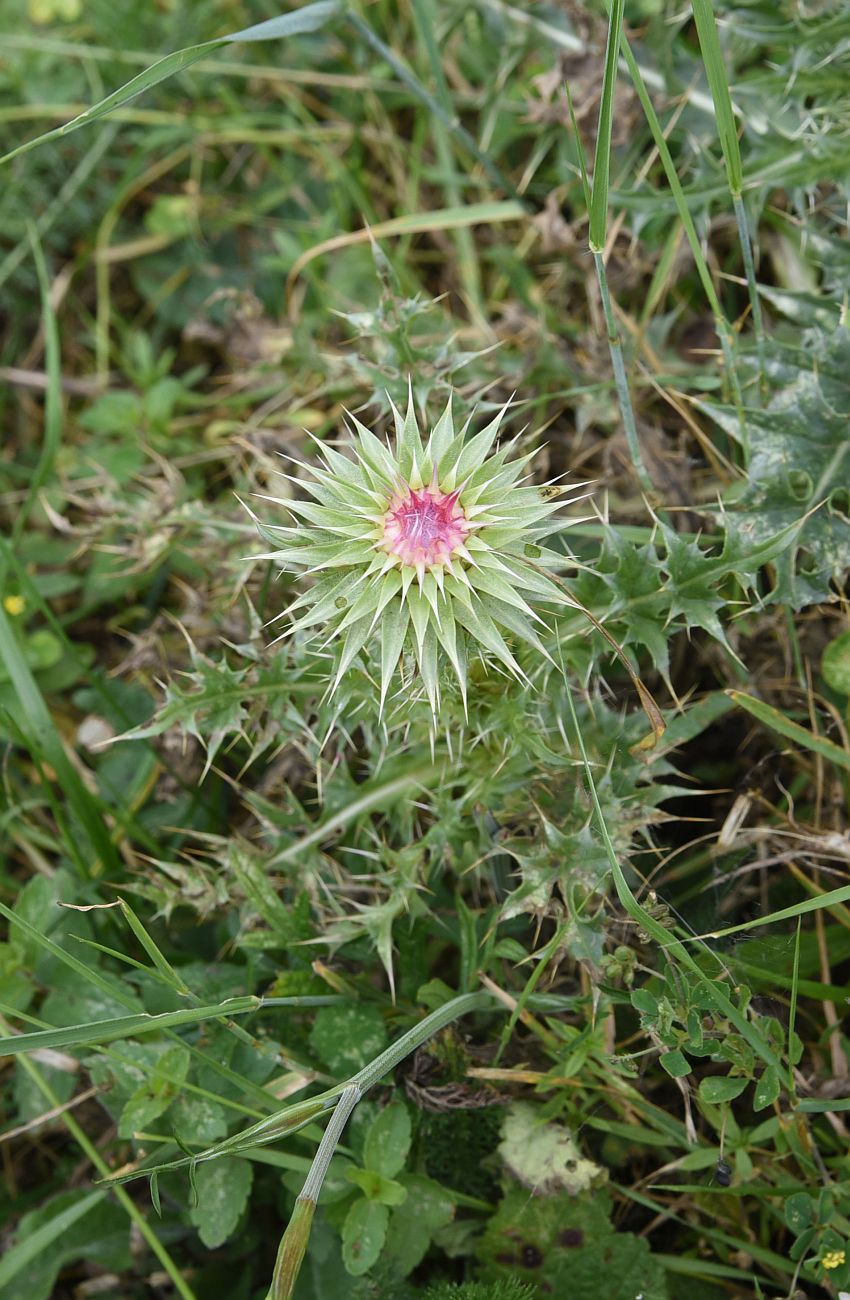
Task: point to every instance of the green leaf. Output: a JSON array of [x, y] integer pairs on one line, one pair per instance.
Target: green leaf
[[644, 1002], [835, 664], [799, 1211], [223, 1187], [44, 1238], [393, 631], [42, 738], [105, 1031], [767, 1088], [198, 1119], [676, 1064], [778, 721], [363, 1235], [715, 70], [388, 1140], [374, 1186], [345, 1038], [428, 1207], [602, 160], [71, 1226], [307, 19], [156, 1093], [798, 464], [568, 1246], [715, 1091]]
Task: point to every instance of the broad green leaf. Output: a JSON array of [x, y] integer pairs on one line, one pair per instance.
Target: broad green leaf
[[363, 1234], [223, 1187], [157, 1093], [345, 1038], [569, 1246], [388, 1140], [715, 1090], [798, 464], [30, 1247], [197, 1119], [767, 1089], [675, 1063], [427, 1208], [75, 1225], [799, 1211]]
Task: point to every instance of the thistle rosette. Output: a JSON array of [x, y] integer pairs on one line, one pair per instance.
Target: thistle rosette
[[427, 551]]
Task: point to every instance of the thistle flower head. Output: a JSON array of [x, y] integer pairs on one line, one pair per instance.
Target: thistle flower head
[[426, 551]]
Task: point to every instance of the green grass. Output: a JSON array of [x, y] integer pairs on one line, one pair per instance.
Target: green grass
[[303, 998]]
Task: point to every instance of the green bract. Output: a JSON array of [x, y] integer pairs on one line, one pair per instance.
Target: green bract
[[429, 550]]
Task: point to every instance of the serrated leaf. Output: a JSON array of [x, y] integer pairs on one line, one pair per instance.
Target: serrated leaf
[[223, 1187], [577, 1253], [798, 464]]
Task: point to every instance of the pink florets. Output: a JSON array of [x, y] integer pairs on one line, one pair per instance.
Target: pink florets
[[426, 528]]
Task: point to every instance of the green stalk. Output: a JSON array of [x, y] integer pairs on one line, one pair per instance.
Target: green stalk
[[621, 381], [597, 237], [294, 1241], [724, 329], [715, 71], [467, 259]]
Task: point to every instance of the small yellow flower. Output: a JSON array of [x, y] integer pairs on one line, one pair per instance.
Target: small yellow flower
[[833, 1259], [14, 605]]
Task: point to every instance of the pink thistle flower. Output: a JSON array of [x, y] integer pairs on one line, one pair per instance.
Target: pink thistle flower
[[432, 572]]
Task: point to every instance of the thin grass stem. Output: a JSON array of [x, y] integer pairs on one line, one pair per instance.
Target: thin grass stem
[[621, 382]]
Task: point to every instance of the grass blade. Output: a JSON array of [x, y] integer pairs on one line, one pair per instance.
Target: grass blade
[[777, 721], [602, 159], [308, 19], [44, 742], [106, 1031], [715, 71], [29, 1248]]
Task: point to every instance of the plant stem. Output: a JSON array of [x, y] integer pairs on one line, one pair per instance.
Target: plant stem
[[621, 380], [750, 272], [294, 1241]]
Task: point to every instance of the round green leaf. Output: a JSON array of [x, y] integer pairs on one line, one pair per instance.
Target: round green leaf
[[799, 1211]]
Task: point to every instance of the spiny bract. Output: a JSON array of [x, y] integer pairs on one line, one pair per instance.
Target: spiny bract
[[423, 548]]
